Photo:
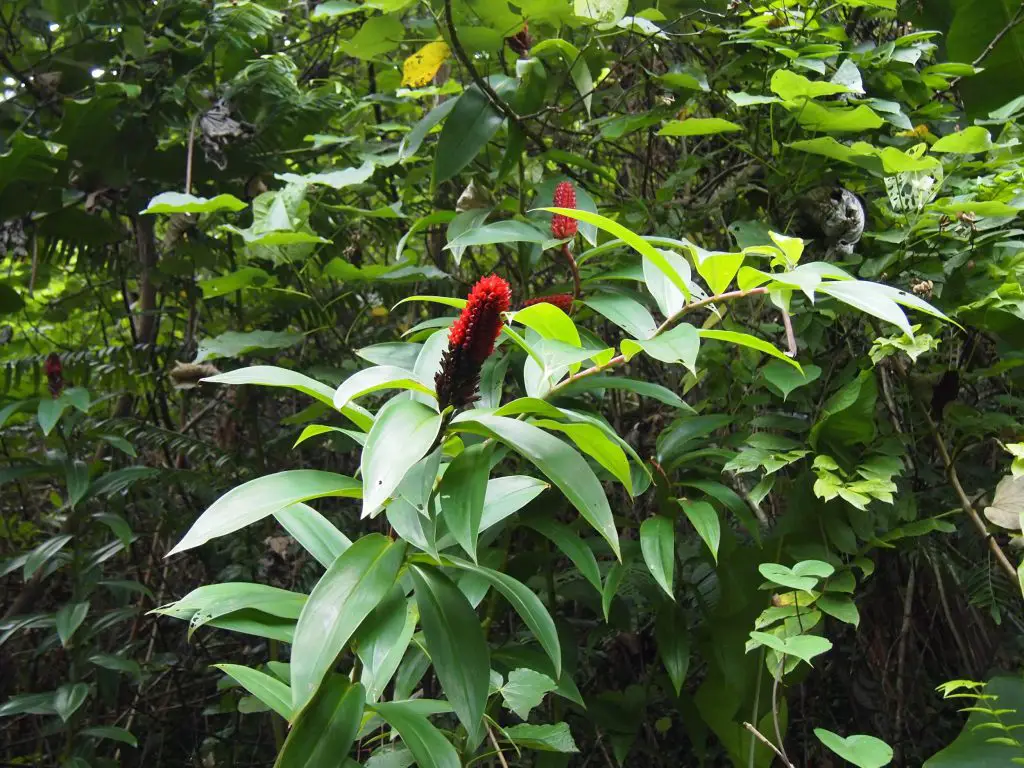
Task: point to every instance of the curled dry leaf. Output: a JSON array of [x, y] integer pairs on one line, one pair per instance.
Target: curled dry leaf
[[1007, 504]]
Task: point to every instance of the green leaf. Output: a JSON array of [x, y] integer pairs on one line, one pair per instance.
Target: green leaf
[[803, 576], [574, 59], [791, 86], [510, 231], [272, 376], [596, 444], [804, 647], [314, 532], [698, 126], [110, 732], [865, 297], [383, 639], [377, 36], [673, 638], [29, 703], [264, 687], [49, 414], [346, 177], [966, 142], [402, 434], [840, 607], [550, 322], [815, 117], [352, 587], [325, 731], [629, 315], [332, 8], [456, 644], [863, 751], [642, 388], [719, 269], [545, 738], [571, 545], [69, 618], [232, 344], [525, 690], [176, 202], [678, 345], [264, 496], [611, 585], [560, 463], [669, 298], [374, 380], [471, 124], [208, 604], [462, 492], [657, 543], [786, 379], [41, 555], [529, 607], [69, 698], [605, 12], [634, 241], [427, 744], [746, 340], [705, 521]]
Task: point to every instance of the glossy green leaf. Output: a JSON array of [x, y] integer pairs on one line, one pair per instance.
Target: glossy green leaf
[[383, 639], [324, 732], [550, 322], [69, 618], [525, 690], [510, 231], [456, 644], [746, 340], [113, 733], [376, 379], [629, 315], [69, 698], [705, 521], [673, 638], [560, 463], [233, 344], [657, 543], [642, 388], [42, 554], [402, 434], [271, 376], [678, 345], [698, 126], [571, 545], [254, 500], [470, 125], [352, 587], [545, 738], [969, 141], [314, 532], [787, 379], [529, 607], [596, 444], [462, 493], [264, 687], [427, 744]]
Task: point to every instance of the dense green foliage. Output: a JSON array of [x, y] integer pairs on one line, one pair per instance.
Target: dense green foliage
[[747, 492]]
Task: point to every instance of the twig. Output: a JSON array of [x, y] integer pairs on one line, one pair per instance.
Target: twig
[[1017, 18], [188, 158], [787, 323], [494, 743], [775, 712], [767, 742], [901, 656]]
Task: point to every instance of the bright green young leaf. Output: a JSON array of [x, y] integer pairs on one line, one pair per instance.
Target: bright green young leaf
[[698, 126], [352, 587], [456, 644], [719, 269], [966, 142], [550, 322], [657, 543], [791, 86], [786, 378], [377, 36], [668, 297], [177, 202], [264, 496]]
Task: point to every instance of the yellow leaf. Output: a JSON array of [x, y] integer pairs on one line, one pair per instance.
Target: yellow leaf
[[420, 68]]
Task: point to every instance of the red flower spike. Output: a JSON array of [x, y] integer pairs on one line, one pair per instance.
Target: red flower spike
[[54, 374], [565, 197], [471, 341], [561, 300]]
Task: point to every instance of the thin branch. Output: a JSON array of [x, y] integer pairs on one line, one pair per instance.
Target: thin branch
[[1016, 19], [764, 740], [494, 743], [188, 158], [574, 269]]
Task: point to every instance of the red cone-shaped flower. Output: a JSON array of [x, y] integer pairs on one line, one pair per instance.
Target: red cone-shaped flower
[[561, 300], [565, 197], [54, 374], [471, 341]]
